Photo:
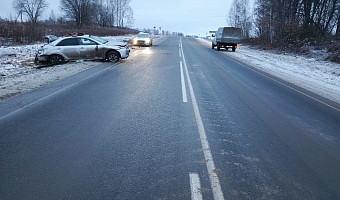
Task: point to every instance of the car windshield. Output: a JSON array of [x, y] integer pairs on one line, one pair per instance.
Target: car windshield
[[99, 39], [143, 35]]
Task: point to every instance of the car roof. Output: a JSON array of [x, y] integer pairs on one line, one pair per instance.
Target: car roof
[[66, 37]]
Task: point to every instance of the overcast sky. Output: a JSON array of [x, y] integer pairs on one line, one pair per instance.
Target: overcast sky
[[186, 16]]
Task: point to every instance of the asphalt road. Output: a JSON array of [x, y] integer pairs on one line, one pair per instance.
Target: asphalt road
[[177, 120]]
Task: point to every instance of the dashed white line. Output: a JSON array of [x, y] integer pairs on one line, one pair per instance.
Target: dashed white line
[[214, 181], [195, 186], [184, 90]]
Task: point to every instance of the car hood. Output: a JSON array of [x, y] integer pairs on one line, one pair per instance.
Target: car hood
[[142, 38], [115, 43], [47, 46]]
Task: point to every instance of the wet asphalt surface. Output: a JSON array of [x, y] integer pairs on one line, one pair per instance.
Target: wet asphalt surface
[[122, 131]]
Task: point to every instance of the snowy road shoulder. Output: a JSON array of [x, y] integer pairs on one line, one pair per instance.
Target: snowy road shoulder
[[320, 77], [26, 78]]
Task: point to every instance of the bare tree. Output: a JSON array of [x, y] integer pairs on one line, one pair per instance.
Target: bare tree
[[337, 19], [239, 16], [78, 11], [32, 8], [102, 12], [288, 21], [337, 34], [123, 12], [52, 17], [128, 14]]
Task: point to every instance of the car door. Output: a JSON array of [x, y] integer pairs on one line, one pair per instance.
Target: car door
[[90, 49], [69, 47]]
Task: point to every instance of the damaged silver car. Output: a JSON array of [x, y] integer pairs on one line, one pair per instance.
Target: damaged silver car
[[83, 47]]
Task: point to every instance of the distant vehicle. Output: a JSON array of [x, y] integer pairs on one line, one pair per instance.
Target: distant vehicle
[[227, 37], [87, 47], [142, 39]]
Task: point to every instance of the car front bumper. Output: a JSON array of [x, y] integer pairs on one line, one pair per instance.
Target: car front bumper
[[124, 53], [40, 59], [142, 42]]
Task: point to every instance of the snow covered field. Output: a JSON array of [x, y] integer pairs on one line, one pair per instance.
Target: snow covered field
[[314, 74], [18, 73]]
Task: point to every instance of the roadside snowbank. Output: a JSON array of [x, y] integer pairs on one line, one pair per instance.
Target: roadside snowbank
[[313, 74]]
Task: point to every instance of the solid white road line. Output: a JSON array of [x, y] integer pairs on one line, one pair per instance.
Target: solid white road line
[[214, 181], [54, 93], [277, 81], [195, 185], [184, 90]]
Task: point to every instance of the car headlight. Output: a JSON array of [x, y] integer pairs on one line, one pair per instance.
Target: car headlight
[[147, 40], [135, 41]]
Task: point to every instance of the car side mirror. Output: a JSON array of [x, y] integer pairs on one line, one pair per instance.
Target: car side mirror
[[212, 35]]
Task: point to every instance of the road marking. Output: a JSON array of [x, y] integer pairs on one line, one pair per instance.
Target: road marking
[[184, 90], [195, 185], [54, 93], [258, 71], [179, 51], [214, 181]]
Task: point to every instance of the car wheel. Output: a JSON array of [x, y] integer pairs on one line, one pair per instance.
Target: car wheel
[[112, 56], [212, 46], [218, 48], [234, 49], [56, 59]]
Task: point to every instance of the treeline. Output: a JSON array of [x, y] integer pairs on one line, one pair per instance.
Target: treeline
[[105, 13], [282, 22], [21, 33], [100, 17]]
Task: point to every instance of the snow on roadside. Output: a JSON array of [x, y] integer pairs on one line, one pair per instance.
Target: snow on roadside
[[26, 78], [320, 77], [18, 73]]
